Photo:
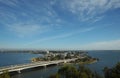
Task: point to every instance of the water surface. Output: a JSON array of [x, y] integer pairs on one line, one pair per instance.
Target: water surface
[[7, 59], [106, 58]]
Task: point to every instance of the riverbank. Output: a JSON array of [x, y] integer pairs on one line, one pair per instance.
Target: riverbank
[[89, 62], [105, 59], [81, 59]]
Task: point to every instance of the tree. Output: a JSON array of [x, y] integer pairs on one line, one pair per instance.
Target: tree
[[69, 71], [55, 76], [84, 75], [96, 75], [112, 72], [5, 74]]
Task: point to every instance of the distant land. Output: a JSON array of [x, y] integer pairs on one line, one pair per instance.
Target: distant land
[[42, 51]]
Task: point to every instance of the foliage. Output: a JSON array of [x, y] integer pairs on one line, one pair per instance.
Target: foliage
[[69, 71], [55, 76], [86, 60], [35, 59], [112, 72], [5, 74]]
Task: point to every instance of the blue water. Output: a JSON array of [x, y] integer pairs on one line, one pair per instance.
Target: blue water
[[106, 58], [7, 59]]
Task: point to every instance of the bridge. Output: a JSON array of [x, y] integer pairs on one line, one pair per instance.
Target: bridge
[[21, 67]]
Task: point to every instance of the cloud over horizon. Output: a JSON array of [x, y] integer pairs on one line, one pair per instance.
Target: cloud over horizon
[[102, 45]]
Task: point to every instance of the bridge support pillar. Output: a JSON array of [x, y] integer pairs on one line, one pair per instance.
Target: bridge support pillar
[[45, 66], [19, 71]]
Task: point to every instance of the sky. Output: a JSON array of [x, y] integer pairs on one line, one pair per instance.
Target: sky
[[60, 24]]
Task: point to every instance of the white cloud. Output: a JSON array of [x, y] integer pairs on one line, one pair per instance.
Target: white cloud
[[103, 45], [33, 16], [10, 2], [97, 19], [89, 9], [61, 36], [22, 29]]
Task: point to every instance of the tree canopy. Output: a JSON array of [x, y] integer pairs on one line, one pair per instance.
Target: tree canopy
[[69, 71], [113, 72]]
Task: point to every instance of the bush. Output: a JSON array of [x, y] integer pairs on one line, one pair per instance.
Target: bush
[[69, 71], [5, 74], [112, 72]]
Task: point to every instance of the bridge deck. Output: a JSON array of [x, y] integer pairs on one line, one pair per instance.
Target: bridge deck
[[32, 65]]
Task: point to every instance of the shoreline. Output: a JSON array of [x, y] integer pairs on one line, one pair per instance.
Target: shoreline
[[89, 62], [82, 63]]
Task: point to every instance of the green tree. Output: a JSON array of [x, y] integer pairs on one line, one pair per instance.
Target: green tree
[[84, 75], [96, 75], [69, 71], [5, 74], [112, 72], [55, 76]]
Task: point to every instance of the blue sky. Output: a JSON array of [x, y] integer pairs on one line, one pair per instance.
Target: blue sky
[[61, 24]]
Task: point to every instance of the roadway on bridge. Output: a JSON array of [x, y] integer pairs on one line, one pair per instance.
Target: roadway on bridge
[[32, 65]]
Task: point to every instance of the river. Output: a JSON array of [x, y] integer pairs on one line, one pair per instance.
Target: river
[[106, 58]]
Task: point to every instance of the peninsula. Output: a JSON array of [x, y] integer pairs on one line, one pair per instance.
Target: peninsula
[[82, 57]]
